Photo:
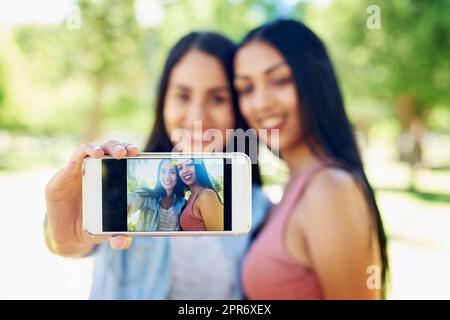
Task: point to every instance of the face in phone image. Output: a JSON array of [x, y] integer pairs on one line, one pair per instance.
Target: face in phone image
[[204, 209], [187, 171], [167, 178]]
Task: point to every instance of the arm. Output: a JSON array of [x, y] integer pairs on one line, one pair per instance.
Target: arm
[[339, 236], [75, 250], [210, 210], [134, 202]]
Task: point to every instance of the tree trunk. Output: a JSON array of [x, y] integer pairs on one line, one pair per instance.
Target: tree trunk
[[413, 131], [93, 128]]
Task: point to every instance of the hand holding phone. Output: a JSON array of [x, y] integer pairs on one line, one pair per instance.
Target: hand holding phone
[[63, 195]]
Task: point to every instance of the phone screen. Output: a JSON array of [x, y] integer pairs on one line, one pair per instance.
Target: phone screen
[[151, 195]]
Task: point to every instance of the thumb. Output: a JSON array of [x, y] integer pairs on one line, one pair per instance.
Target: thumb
[[59, 180], [120, 242]]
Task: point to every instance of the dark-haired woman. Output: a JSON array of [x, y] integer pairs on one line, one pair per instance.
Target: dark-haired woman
[[325, 239], [159, 208], [196, 85], [203, 211]]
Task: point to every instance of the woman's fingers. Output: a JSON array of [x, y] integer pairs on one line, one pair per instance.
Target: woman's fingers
[[115, 149], [132, 149], [119, 150], [88, 149], [120, 242]]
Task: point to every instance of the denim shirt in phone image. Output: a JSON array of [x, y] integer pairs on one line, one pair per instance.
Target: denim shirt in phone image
[[148, 204], [193, 267]]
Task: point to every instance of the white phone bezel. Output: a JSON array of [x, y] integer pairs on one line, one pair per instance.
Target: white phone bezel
[[241, 194]]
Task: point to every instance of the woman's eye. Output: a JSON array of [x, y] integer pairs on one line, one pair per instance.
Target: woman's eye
[[282, 81], [183, 97], [244, 90], [218, 100]]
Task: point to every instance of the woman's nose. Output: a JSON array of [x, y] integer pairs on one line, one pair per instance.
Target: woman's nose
[[197, 112], [260, 99]]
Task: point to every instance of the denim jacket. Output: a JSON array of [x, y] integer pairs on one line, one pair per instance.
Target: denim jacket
[[144, 270], [148, 206]]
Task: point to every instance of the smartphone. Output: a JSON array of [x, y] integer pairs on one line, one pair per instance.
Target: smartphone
[[168, 194]]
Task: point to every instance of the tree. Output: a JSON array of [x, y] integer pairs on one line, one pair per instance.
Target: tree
[[217, 183], [403, 64], [116, 62], [2, 94], [105, 52], [415, 54]]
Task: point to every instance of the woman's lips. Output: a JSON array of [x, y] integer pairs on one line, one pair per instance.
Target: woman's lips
[[187, 176], [272, 122]]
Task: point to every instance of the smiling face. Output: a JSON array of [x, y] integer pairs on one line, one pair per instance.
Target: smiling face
[[198, 91], [167, 175], [186, 170], [267, 93]]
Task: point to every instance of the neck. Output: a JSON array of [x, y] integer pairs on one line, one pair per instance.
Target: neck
[[169, 194], [195, 187], [299, 159]]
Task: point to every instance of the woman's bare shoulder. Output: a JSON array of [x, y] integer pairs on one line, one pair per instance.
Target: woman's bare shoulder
[[331, 183], [206, 199], [333, 194], [206, 194]]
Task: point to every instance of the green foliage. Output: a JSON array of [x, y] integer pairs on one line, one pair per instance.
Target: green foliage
[[407, 56], [133, 182], [3, 94], [439, 118], [131, 226], [2, 85], [104, 75], [217, 183], [105, 53], [10, 116]]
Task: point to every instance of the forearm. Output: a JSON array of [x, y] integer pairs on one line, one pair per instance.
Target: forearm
[[67, 250]]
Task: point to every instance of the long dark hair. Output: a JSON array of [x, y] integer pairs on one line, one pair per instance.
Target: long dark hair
[[202, 174], [180, 186], [322, 115], [223, 50]]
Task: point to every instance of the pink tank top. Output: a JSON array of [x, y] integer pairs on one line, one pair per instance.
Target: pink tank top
[[189, 221], [269, 272]]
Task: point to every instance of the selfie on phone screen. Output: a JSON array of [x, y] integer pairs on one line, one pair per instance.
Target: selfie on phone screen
[[151, 194], [168, 195]]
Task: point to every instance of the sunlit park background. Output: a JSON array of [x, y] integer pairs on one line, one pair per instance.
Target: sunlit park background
[[72, 71]]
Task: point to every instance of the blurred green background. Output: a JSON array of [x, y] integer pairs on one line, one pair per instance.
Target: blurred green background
[[72, 71]]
